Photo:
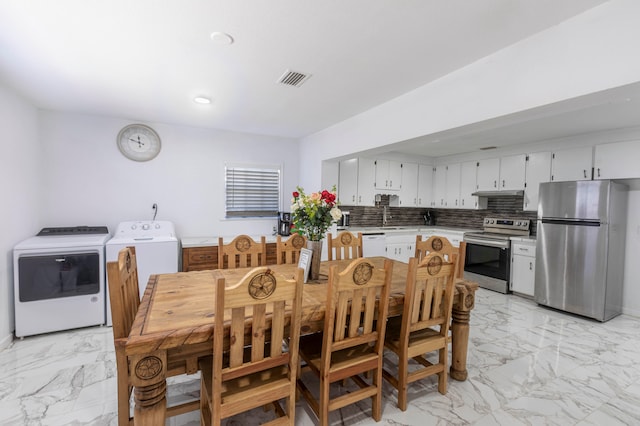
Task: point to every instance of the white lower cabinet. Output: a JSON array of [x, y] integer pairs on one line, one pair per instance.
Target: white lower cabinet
[[401, 247], [523, 267]]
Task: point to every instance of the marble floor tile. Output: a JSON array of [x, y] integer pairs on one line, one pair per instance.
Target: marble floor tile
[[527, 365]]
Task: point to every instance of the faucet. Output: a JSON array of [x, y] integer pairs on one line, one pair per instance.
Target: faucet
[[385, 216]]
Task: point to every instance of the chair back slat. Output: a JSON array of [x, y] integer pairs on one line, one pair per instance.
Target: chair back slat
[[288, 252], [242, 252]]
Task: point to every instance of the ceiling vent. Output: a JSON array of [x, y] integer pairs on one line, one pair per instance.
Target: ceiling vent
[[293, 78]]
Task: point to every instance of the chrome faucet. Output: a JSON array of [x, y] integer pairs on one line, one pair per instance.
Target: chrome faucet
[[385, 216]]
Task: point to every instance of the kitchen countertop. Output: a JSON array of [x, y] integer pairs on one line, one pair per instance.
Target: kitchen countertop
[[524, 239]]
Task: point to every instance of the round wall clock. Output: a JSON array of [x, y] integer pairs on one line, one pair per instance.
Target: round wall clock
[[138, 142]]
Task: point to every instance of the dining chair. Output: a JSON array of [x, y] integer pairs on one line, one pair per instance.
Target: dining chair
[[351, 345], [125, 299], [289, 251], [242, 252], [438, 244], [424, 325], [345, 246], [259, 367]]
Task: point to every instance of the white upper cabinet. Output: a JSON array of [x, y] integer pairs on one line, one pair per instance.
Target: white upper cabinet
[[468, 172], [512, 172], [488, 174], [440, 186], [388, 176], [538, 170], [425, 185], [366, 178], [409, 187], [618, 160], [453, 186], [348, 182], [572, 164]]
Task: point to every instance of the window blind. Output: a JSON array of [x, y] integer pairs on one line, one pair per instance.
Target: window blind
[[252, 191]]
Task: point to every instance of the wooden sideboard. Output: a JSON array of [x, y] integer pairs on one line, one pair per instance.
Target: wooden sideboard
[[206, 257]]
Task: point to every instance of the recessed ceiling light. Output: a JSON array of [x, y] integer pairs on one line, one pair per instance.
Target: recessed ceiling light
[[221, 38], [201, 100]]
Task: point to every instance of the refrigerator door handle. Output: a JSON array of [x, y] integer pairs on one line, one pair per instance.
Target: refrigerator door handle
[[575, 222]]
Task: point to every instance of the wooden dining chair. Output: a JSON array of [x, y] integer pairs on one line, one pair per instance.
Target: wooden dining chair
[[289, 251], [352, 343], [345, 246], [259, 366], [242, 252], [424, 325], [125, 299], [438, 244]]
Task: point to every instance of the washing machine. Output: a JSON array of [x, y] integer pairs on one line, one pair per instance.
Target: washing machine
[[59, 280], [157, 250]]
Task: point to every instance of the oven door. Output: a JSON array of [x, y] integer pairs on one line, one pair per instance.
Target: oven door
[[488, 263]]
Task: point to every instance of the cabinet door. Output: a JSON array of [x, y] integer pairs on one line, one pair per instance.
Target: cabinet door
[[468, 172], [425, 185], [617, 160], [395, 175], [512, 172], [572, 164], [440, 186], [409, 188], [523, 274], [453, 186], [348, 182], [488, 174], [538, 170], [381, 181], [366, 179]]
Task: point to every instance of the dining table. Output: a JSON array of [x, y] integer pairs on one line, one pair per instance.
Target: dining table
[[174, 325]]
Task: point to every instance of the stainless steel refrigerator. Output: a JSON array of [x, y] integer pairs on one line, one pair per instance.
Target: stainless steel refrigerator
[[580, 247]]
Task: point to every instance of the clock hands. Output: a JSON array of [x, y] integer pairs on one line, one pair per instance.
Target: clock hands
[[139, 142]]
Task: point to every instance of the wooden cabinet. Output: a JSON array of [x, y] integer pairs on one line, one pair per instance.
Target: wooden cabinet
[[366, 182], [453, 186], [204, 258], [572, 164], [523, 267], [538, 170], [409, 187], [425, 185], [488, 174], [512, 172], [348, 182], [618, 160], [388, 175]]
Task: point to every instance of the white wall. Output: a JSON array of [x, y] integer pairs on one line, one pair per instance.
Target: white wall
[[20, 188], [86, 181]]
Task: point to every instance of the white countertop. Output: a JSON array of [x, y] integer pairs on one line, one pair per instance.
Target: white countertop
[[524, 239], [213, 241]]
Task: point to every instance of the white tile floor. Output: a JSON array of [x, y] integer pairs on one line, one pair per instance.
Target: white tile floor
[[527, 365]]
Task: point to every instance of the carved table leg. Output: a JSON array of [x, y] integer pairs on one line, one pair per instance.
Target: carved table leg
[[148, 376], [460, 334]]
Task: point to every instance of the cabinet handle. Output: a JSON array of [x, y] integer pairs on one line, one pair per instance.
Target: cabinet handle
[[495, 183], [584, 173], [390, 183], [463, 201], [531, 266], [353, 198], [386, 183], [359, 199], [419, 200], [456, 201], [503, 183], [598, 172], [415, 202]]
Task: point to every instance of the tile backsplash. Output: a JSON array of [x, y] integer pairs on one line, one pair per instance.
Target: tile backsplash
[[500, 207]]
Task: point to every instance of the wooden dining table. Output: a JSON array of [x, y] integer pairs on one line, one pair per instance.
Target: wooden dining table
[[174, 326]]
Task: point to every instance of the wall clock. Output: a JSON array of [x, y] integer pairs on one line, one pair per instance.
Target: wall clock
[[138, 142]]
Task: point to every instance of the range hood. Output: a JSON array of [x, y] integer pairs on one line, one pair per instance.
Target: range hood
[[505, 193]]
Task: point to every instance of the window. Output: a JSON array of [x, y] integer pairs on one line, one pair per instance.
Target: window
[[252, 191]]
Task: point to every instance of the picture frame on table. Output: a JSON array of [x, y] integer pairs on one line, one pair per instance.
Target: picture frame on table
[[305, 262]]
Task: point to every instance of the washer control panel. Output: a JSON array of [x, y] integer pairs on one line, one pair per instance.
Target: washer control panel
[[146, 229]]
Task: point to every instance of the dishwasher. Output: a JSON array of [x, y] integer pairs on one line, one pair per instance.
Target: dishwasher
[[374, 244]]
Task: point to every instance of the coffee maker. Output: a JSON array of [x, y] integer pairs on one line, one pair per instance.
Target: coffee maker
[[284, 223]]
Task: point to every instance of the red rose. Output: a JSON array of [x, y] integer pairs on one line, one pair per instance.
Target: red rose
[[296, 194]]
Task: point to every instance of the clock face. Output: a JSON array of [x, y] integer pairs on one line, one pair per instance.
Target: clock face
[[139, 142]]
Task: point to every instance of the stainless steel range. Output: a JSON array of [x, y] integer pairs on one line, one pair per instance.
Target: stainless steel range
[[488, 255]]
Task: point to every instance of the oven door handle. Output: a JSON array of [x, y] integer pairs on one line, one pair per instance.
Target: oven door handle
[[489, 243]]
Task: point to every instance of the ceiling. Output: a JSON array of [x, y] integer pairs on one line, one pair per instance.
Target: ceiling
[[146, 60]]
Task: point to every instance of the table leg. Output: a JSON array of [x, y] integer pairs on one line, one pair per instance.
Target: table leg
[[460, 334], [148, 376]]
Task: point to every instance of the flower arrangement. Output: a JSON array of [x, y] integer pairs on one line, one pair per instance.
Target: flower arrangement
[[313, 214]]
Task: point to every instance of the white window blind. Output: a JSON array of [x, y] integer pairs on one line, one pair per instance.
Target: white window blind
[[252, 191]]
